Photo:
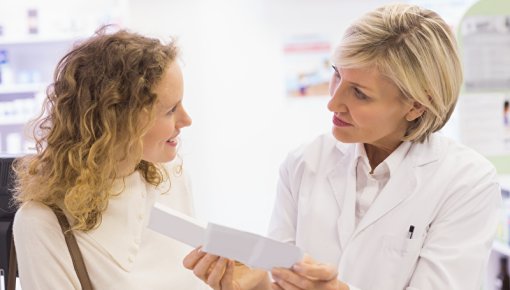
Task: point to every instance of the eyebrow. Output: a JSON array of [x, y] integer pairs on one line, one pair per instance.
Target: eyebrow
[[354, 83], [165, 108], [361, 86], [174, 105]]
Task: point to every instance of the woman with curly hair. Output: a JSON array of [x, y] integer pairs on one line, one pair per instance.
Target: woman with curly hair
[[111, 119]]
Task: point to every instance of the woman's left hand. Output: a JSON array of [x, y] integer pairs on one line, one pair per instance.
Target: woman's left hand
[[307, 275]]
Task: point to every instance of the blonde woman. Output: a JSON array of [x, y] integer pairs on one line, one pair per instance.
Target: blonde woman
[[385, 202], [113, 117]]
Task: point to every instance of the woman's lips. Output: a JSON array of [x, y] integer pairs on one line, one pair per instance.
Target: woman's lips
[[339, 123], [172, 142]]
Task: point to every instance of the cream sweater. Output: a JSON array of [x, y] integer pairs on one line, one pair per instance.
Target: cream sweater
[[120, 254]]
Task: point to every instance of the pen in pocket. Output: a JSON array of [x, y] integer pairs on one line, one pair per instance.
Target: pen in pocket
[[410, 232], [2, 279]]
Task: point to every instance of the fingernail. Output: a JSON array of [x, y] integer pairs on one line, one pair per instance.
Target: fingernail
[[297, 267]]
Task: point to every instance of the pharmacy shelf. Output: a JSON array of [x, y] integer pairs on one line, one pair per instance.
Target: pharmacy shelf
[[501, 248], [38, 39], [21, 88], [12, 123]]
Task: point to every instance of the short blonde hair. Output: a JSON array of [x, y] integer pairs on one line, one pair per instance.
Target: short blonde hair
[[416, 49]]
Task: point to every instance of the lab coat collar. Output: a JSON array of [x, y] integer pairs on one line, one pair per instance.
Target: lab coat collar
[[388, 166], [420, 153], [326, 145], [342, 179], [403, 181], [432, 149], [342, 176], [342, 147]]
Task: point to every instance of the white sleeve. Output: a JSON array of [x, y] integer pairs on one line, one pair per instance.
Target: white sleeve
[[457, 246], [44, 261], [282, 226]]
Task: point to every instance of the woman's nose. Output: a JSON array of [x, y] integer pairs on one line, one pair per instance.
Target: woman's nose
[[184, 120], [336, 103]]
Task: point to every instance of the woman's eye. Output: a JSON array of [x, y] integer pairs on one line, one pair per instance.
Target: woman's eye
[[360, 95], [172, 111], [335, 72]]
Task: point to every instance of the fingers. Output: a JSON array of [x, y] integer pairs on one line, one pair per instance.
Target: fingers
[[308, 259], [204, 265], [192, 258], [316, 271], [311, 275], [227, 281], [289, 280], [275, 286], [216, 274], [284, 285], [229, 272]]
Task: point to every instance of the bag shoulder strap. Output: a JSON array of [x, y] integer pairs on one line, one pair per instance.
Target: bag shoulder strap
[[74, 250], [13, 267]]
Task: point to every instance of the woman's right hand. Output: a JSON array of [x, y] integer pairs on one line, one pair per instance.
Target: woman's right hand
[[217, 272], [308, 275]]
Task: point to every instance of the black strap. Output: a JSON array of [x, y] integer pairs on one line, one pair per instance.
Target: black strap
[[74, 250], [13, 267]]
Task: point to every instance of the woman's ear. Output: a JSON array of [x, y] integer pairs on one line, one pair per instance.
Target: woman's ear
[[415, 112]]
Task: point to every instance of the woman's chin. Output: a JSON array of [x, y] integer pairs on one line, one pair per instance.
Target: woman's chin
[[162, 158], [342, 137]]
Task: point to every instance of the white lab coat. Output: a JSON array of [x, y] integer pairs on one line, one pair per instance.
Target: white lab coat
[[447, 191]]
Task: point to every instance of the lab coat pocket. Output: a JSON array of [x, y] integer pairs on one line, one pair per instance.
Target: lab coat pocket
[[401, 246], [399, 255]]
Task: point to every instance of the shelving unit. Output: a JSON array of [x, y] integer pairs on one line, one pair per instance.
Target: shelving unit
[[21, 88], [32, 60], [34, 43], [38, 39]]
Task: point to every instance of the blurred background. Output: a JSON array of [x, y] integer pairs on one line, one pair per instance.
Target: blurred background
[[256, 74]]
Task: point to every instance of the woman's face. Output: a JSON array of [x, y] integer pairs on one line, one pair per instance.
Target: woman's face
[[160, 142], [368, 108]]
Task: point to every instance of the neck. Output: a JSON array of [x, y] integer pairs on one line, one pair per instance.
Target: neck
[[377, 154], [125, 168]]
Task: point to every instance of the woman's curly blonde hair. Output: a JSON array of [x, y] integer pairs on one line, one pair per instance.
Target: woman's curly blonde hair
[[92, 119]]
